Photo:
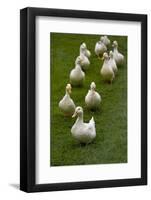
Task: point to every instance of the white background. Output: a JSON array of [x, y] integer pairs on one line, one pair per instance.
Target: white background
[[47, 174], [9, 100]]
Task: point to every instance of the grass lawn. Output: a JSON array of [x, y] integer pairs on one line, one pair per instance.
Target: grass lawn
[[110, 145]]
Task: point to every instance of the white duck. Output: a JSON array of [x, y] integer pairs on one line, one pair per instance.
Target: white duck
[[100, 48], [83, 132], [84, 50], [106, 70], [84, 61], [67, 105], [112, 62], [93, 98], [119, 58], [105, 40], [77, 76]]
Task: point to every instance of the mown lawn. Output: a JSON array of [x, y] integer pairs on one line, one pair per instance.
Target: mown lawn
[[110, 145]]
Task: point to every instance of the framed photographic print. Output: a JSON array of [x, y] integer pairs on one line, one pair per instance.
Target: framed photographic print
[[83, 99]]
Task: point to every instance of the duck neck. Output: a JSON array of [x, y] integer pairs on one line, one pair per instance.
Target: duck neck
[[111, 57], [106, 60], [115, 49], [79, 119], [92, 91], [78, 67], [82, 54], [82, 51], [67, 93]]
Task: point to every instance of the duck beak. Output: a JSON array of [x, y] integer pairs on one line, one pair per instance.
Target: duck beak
[[74, 115]]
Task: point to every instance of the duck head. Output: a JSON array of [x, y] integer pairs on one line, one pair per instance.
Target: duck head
[[83, 45], [100, 42], [78, 112], [93, 86], [105, 56], [111, 54], [102, 38], [115, 44], [68, 88], [78, 60], [106, 40]]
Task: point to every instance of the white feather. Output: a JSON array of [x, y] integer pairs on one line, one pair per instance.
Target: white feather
[[83, 132]]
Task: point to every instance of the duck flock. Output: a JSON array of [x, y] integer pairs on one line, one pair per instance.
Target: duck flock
[[86, 132]]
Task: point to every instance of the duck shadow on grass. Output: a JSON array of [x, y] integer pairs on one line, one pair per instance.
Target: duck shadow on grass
[[93, 111], [77, 144]]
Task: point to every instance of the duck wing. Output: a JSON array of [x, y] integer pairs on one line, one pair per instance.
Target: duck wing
[[92, 122], [89, 127]]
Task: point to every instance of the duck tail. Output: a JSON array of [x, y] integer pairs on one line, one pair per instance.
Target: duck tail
[[92, 121]]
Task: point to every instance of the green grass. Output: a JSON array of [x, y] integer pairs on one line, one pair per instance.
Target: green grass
[[110, 145]]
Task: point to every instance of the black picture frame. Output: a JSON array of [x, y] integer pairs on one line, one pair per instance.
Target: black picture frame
[[28, 98]]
